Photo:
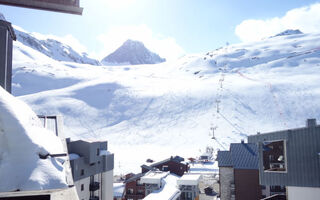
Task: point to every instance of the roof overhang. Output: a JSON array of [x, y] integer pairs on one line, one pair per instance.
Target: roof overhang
[[64, 6]]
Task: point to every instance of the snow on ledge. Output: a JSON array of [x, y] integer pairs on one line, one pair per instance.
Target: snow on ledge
[[22, 139]]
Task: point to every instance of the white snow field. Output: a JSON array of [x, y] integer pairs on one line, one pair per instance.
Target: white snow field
[[172, 108], [22, 140]]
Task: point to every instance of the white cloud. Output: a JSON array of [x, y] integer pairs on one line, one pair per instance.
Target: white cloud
[[166, 47], [307, 19]]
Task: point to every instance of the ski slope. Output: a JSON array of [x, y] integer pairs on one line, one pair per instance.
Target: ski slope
[[172, 108]]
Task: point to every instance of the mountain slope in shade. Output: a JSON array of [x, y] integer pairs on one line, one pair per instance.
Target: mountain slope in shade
[[133, 53], [53, 48]]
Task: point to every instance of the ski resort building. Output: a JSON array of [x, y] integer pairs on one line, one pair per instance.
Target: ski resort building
[[291, 159], [175, 165], [189, 186], [92, 169], [239, 172], [90, 165], [134, 189]]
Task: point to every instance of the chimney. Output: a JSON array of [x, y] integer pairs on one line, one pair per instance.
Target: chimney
[[311, 123], [242, 141]]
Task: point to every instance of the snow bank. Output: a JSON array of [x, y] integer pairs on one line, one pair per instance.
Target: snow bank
[[22, 139]]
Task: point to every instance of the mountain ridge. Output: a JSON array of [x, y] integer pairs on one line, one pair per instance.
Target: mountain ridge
[[134, 53]]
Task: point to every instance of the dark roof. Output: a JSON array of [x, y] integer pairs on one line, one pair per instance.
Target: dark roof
[[134, 178], [224, 159], [244, 156], [240, 156], [177, 159]]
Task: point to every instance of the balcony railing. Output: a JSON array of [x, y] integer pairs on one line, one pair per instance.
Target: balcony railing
[[94, 186]]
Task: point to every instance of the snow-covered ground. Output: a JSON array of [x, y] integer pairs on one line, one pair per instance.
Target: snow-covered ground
[[23, 141], [155, 111]]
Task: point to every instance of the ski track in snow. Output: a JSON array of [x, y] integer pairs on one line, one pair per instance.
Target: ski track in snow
[[155, 111]]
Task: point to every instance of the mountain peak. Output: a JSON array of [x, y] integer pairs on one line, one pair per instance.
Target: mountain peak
[[289, 32], [132, 52]]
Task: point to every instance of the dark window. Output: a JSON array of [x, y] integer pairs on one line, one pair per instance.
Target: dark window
[[165, 168], [274, 156], [98, 151], [82, 172], [82, 187]]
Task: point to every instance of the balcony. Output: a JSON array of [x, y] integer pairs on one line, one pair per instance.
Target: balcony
[[94, 186], [94, 198]]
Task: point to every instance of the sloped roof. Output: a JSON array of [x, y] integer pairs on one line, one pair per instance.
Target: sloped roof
[[244, 156], [224, 159], [176, 159], [240, 156], [135, 177]]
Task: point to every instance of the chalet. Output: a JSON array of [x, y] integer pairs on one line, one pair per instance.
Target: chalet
[[291, 159], [239, 172], [175, 165], [134, 189]]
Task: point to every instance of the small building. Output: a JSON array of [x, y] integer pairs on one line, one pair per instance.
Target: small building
[[161, 185], [175, 165], [189, 186], [153, 181], [239, 172], [291, 158], [134, 189], [92, 169]]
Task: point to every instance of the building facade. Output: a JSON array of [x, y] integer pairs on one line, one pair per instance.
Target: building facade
[[291, 158], [238, 172], [92, 169]]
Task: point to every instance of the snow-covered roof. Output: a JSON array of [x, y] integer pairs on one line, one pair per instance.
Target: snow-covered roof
[[169, 190], [189, 179], [204, 168], [153, 177], [22, 140], [118, 189], [73, 156]]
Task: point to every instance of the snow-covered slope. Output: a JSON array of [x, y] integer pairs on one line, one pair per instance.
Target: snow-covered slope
[[155, 111], [134, 53], [52, 47], [22, 141]]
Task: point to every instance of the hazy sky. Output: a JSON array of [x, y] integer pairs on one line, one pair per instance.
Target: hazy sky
[[169, 27]]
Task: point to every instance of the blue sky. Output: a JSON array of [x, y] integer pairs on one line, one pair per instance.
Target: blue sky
[[169, 27]]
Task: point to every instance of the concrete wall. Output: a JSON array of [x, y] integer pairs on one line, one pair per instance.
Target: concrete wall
[[107, 185], [298, 193], [85, 194], [5, 57], [226, 178]]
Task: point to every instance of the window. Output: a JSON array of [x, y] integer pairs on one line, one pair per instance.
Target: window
[[98, 152], [130, 191], [82, 187], [165, 168], [274, 156], [82, 172]]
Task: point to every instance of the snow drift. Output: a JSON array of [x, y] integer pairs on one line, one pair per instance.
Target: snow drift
[[22, 141]]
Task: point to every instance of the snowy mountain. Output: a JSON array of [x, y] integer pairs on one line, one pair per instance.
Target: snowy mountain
[[172, 108], [289, 32], [53, 48], [133, 53]]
